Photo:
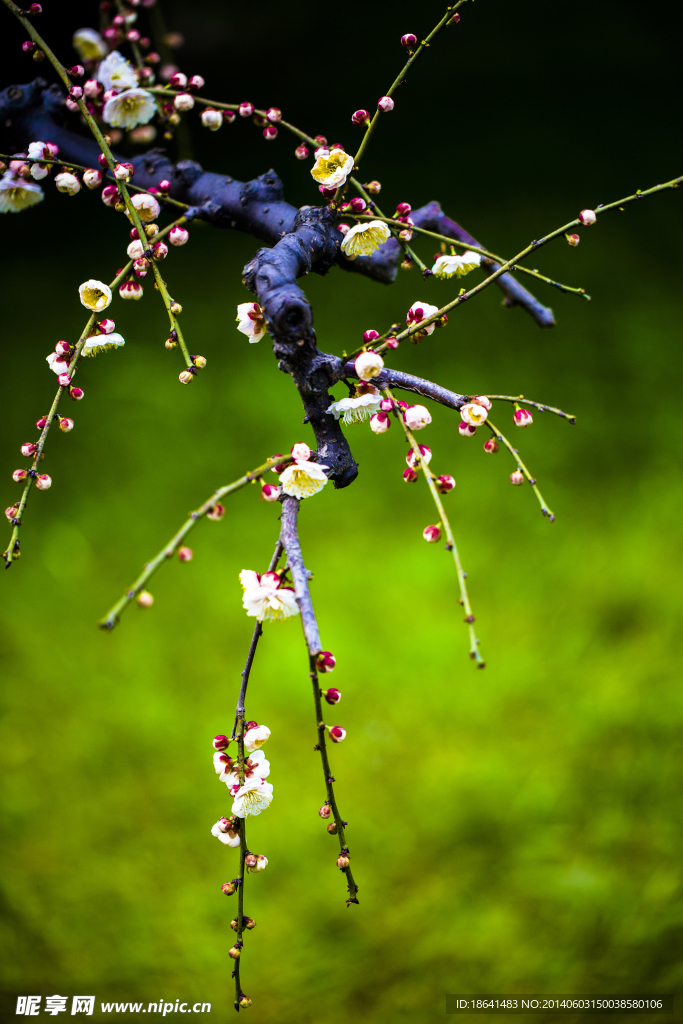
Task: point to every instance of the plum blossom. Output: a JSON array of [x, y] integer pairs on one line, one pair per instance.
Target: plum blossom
[[302, 479], [129, 108], [147, 206], [364, 239], [474, 414], [264, 601], [256, 737], [115, 72], [251, 321], [369, 365], [56, 363], [357, 408], [261, 863], [223, 830], [418, 312], [252, 798], [95, 295], [417, 417], [332, 167], [456, 265], [97, 343], [88, 44], [17, 194]]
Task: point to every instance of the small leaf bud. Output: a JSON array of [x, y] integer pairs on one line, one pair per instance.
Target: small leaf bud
[[431, 534], [65, 424], [332, 696], [228, 888], [517, 478], [337, 733], [19, 475], [491, 445], [343, 861], [325, 811], [301, 152], [145, 599], [185, 554], [588, 217], [325, 661], [444, 484], [215, 513]]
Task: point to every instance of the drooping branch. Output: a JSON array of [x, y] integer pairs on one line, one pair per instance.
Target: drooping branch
[[407, 382], [289, 538]]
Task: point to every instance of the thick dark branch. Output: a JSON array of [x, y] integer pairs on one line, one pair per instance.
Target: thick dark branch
[[407, 382], [295, 560]]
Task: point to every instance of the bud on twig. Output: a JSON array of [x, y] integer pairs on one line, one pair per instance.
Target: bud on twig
[[588, 217], [360, 117], [491, 445], [185, 377], [220, 742], [444, 484], [325, 661], [517, 478], [409, 40], [19, 475], [343, 861], [325, 811], [332, 828], [522, 417], [228, 888], [332, 696], [145, 599], [43, 482], [337, 734], [215, 513]]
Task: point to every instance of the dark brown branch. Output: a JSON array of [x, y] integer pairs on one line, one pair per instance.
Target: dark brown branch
[[407, 382], [289, 538]]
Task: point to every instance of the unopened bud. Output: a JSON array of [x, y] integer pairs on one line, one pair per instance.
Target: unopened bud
[[145, 599], [185, 377], [27, 46], [260, 865], [160, 250], [337, 734], [93, 90], [332, 828], [325, 811], [121, 172], [220, 742], [92, 178], [41, 422], [250, 860], [215, 513], [178, 80], [131, 290], [360, 117], [246, 109], [368, 365], [178, 235], [11, 512], [325, 661], [109, 194], [76, 92], [228, 888], [466, 429], [244, 1001], [301, 452], [412, 459], [517, 478], [379, 422], [270, 133], [491, 445], [483, 401], [183, 101], [416, 417], [332, 696], [373, 187], [522, 418], [64, 379], [196, 82], [185, 554], [270, 492], [431, 534], [385, 104], [588, 217], [444, 484], [43, 482], [403, 209], [301, 152], [234, 953], [19, 475], [408, 40], [65, 424], [410, 476], [212, 119], [29, 449], [573, 239], [370, 336], [164, 186], [343, 861], [358, 205], [176, 308]]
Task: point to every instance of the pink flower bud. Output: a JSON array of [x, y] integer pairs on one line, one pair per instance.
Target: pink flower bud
[[183, 101], [41, 422], [178, 235], [118, 20], [106, 326], [29, 449], [588, 217], [391, 343], [93, 89], [11, 512], [64, 380], [274, 114], [379, 422], [185, 554], [63, 348], [403, 209], [110, 195], [412, 459], [483, 401], [408, 40], [76, 394], [327, 193], [196, 82], [370, 336], [65, 424], [92, 178], [360, 117], [141, 267], [522, 417], [246, 109], [178, 80], [325, 811], [270, 580], [215, 513], [35, 9], [77, 71], [43, 482], [385, 104], [358, 204], [27, 46], [343, 228], [132, 35], [76, 92], [332, 696], [130, 290], [160, 250], [410, 476], [228, 888], [466, 429], [416, 417], [431, 534], [270, 492], [301, 152], [325, 661], [444, 484], [220, 742], [164, 186], [386, 405], [405, 235], [343, 861], [121, 172], [185, 377], [145, 599], [517, 478], [270, 133], [301, 452], [71, 105], [573, 239], [337, 734], [18, 475]]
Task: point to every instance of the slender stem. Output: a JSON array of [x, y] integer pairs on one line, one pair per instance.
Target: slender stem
[[137, 55], [451, 545], [450, 11], [537, 405], [515, 454], [243, 855], [112, 617]]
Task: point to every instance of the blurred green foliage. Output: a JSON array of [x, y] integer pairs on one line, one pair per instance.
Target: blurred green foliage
[[512, 830]]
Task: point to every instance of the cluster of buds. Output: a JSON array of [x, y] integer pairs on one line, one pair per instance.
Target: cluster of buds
[[473, 414]]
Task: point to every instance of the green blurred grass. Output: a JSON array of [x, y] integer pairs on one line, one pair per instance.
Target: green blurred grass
[[516, 829]]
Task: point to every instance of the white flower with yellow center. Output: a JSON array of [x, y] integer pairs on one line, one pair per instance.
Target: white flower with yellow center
[[147, 206], [355, 409], [252, 798], [95, 295], [302, 479], [88, 44], [129, 108], [474, 414], [332, 167], [256, 737], [364, 239], [101, 343], [264, 601], [456, 265], [116, 72], [17, 195], [251, 321]]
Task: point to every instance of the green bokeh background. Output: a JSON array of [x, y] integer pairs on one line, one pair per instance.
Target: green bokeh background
[[513, 830]]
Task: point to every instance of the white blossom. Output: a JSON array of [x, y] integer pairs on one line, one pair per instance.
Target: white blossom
[[369, 365], [88, 44], [474, 414], [364, 239], [56, 364], [17, 194], [417, 417], [226, 836], [251, 321], [129, 108], [101, 343], [147, 206], [115, 72], [418, 312], [68, 182], [302, 479], [261, 863], [256, 737], [456, 265], [265, 603], [355, 410], [253, 797], [95, 295], [212, 119], [332, 167]]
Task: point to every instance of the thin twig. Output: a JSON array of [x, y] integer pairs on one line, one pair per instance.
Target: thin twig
[[532, 480], [537, 405], [112, 617]]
